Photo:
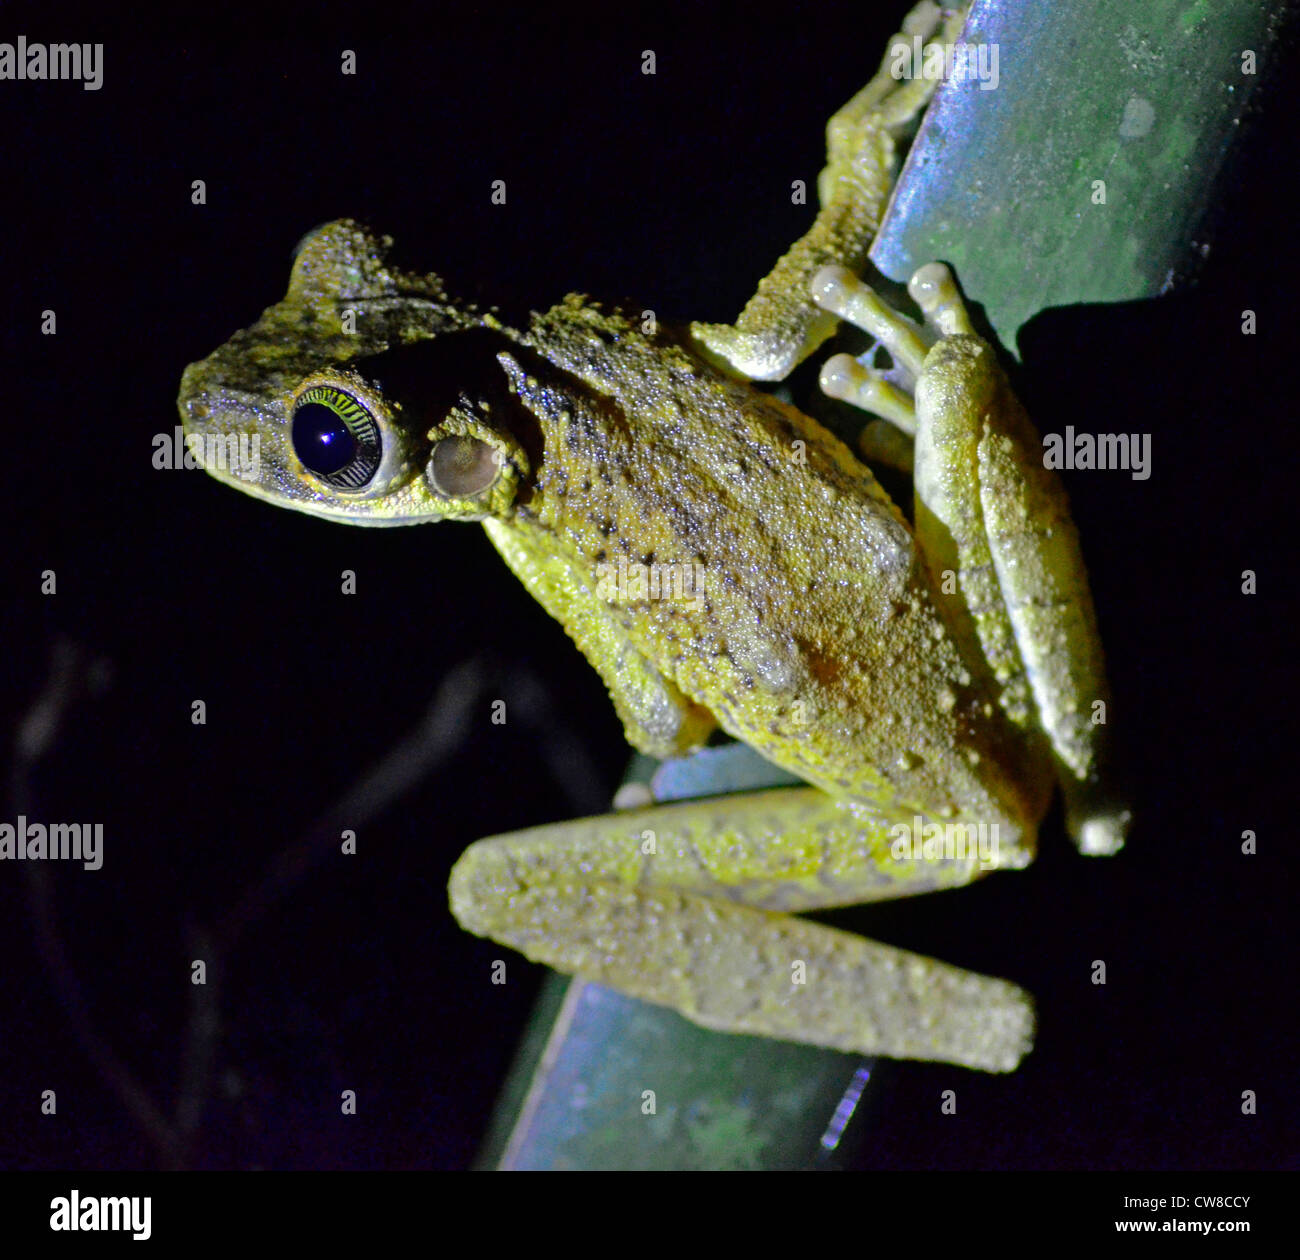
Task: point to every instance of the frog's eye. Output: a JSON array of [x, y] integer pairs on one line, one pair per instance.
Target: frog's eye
[[336, 438], [462, 466]]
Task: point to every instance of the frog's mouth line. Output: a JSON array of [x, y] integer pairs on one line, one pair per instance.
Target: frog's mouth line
[[331, 510]]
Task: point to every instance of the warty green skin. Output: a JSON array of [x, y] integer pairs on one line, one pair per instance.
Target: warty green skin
[[817, 639], [822, 634]]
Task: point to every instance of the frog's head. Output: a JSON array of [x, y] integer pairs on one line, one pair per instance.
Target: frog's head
[[366, 395]]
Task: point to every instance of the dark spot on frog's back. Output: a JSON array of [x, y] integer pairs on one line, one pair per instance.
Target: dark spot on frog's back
[[825, 667]]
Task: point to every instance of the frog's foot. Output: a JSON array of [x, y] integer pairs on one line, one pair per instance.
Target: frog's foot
[[887, 392], [779, 327]]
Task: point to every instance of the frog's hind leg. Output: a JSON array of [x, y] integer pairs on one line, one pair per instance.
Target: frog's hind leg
[[680, 905], [988, 510], [780, 326]]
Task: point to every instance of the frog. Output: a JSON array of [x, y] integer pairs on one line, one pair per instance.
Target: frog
[[730, 567]]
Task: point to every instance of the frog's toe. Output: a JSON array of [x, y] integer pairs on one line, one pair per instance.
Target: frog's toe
[[1103, 836], [934, 290], [843, 377], [896, 101], [885, 392]]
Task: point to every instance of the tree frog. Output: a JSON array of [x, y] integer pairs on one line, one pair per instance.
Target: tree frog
[[726, 563]]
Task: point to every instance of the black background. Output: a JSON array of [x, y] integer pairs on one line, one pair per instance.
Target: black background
[[671, 189]]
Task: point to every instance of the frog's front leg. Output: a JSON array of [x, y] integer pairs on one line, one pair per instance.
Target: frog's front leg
[[779, 326], [657, 718], [991, 514], [682, 905]]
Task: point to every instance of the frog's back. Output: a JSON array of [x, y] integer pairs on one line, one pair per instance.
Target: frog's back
[[760, 565]]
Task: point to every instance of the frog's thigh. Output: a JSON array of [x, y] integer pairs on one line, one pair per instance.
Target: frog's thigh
[[960, 394], [1044, 587], [1041, 636], [989, 510], [675, 905], [779, 326]]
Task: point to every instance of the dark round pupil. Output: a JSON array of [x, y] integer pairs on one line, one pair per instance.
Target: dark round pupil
[[322, 440]]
